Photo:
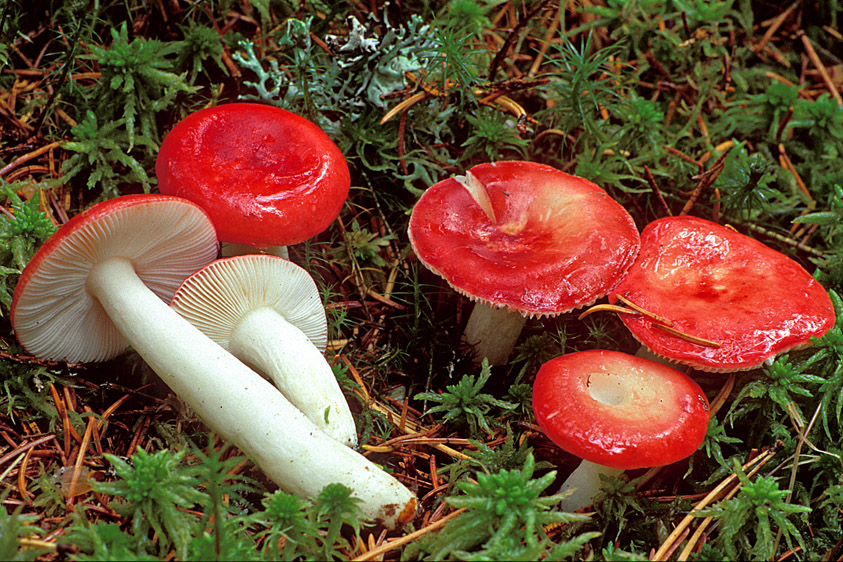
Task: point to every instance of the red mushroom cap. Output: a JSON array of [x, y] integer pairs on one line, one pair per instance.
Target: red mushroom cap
[[619, 410], [534, 239], [266, 177], [715, 283]]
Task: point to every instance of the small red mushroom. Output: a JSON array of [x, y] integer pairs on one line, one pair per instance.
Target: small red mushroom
[[617, 412], [726, 302], [267, 177], [522, 239]]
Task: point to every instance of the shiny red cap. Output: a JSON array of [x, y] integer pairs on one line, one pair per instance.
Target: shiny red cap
[[524, 236], [715, 283], [266, 176], [619, 410]]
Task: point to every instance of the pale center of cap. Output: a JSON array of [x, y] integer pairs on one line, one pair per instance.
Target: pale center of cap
[[618, 389]]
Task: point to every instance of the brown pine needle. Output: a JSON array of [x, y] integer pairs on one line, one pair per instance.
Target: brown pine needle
[[645, 312], [693, 339], [408, 538], [404, 106], [77, 467], [815, 60], [757, 462], [609, 307], [785, 162], [692, 542]]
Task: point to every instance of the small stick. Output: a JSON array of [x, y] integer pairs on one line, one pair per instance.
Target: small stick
[[655, 188], [692, 542], [686, 521], [683, 156], [408, 538], [812, 54], [706, 179]]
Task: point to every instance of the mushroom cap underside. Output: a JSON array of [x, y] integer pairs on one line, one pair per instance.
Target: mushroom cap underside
[[165, 238], [217, 297]]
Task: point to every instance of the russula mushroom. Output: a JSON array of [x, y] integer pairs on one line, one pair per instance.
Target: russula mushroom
[[267, 312], [104, 279], [617, 412], [267, 177], [718, 300], [522, 239]]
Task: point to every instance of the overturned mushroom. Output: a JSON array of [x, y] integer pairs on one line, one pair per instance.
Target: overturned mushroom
[[267, 312], [103, 280]]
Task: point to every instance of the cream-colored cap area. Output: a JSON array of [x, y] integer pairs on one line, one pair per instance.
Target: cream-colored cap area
[[267, 312], [217, 298]]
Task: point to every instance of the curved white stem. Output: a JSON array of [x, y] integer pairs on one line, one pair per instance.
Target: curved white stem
[[239, 404], [492, 332], [265, 341], [584, 484]]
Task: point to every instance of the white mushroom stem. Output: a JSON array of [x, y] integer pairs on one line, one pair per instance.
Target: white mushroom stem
[[239, 404], [584, 485], [492, 333], [264, 340]]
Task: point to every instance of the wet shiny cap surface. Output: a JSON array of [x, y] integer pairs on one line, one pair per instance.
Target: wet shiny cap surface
[[619, 410], [525, 236], [715, 283], [266, 176]]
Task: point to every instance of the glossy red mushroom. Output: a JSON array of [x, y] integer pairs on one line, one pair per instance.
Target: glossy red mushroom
[[522, 239], [617, 412], [267, 177], [726, 302]]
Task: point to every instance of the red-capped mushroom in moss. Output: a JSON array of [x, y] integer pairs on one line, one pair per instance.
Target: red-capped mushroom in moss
[[522, 240], [102, 282], [718, 300], [616, 412], [267, 177]]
